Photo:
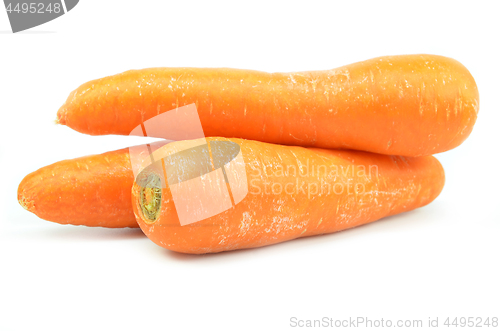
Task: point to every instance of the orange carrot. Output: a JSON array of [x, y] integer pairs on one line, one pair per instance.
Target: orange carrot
[[91, 190], [292, 192], [409, 105]]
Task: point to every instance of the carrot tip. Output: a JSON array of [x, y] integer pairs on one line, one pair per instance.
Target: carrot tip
[[61, 116], [27, 204]]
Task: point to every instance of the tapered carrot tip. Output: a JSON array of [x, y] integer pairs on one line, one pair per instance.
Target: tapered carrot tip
[[61, 116], [92, 190], [25, 201]]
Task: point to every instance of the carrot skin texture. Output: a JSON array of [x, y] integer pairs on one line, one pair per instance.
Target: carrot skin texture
[[263, 217], [410, 105], [92, 190]]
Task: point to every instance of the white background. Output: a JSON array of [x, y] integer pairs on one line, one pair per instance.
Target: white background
[[438, 261]]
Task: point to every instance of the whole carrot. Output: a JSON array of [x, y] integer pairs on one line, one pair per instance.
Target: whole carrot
[[292, 192], [409, 105], [91, 190]]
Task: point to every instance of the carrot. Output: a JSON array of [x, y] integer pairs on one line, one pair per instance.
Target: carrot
[[292, 192], [409, 105], [91, 190]]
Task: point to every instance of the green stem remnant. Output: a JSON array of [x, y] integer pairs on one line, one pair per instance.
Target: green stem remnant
[[150, 198]]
